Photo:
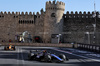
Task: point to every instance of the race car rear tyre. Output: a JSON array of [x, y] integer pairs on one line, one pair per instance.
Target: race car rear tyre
[[29, 57], [4, 48], [62, 56]]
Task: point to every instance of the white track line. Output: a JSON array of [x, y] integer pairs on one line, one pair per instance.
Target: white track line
[[18, 56], [22, 57], [77, 55]]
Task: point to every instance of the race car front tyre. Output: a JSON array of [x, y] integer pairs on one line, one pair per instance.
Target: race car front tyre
[[48, 58]]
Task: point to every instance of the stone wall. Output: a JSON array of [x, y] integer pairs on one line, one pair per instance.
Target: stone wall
[[76, 25], [8, 25], [12, 24]]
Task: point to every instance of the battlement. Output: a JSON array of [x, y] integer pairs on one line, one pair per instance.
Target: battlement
[[21, 13], [79, 13], [9, 13], [52, 5]]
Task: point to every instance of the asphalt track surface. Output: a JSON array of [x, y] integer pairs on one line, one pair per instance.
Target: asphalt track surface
[[76, 57]]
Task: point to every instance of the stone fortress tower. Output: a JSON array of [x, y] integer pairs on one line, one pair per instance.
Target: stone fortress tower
[[53, 22]]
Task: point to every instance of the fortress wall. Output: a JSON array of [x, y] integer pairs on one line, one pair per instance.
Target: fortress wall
[[80, 14], [15, 23], [8, 23], [39, 24], [77, 24], [26, 23]]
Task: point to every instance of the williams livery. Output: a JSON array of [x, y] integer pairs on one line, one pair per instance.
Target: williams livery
[[43, 55]]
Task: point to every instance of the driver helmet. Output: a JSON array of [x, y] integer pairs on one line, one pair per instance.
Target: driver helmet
[[44, 51]]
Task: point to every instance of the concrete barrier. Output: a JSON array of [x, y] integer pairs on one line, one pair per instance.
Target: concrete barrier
[[40, 44], [90, 47]]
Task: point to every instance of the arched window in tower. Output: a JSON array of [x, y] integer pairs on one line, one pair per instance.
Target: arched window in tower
[[53, 15], [23, 22], [28, 21], [19, 21], [32, 21], [2, 16]]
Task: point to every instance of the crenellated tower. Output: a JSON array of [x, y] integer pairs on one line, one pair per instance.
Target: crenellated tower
[[53, 22]]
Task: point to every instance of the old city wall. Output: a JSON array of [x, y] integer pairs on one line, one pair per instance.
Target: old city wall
[[12, 24], [8, 24], [39, 24], [26, 23], [77, 24]]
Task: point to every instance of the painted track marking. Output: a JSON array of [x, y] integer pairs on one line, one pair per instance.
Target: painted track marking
[[77, 55]]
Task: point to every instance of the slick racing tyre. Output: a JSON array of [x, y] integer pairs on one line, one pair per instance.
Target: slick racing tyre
[[4, 48], [48, 58], [62, 56]]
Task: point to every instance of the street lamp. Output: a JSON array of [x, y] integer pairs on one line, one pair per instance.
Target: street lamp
[[94, 36], [94, 25]]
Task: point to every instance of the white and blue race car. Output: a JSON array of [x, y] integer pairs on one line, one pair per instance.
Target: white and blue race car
[[43, 55]]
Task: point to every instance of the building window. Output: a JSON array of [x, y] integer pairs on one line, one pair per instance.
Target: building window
[[19, 21], [53, 15], [2, 16], [38, 16], [32, 21], [23, 21], [16, 16], [26, 21]]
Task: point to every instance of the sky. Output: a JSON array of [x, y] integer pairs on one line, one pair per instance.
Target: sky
[[37, 5]]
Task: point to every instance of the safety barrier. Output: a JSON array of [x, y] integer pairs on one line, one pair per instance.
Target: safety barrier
[[40, 44], [95, 48]]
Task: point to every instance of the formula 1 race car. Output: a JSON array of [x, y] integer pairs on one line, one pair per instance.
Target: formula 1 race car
[[9, 47], [45, 56]]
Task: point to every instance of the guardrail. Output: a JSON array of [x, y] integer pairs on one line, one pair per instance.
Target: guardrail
[[95, 48]]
